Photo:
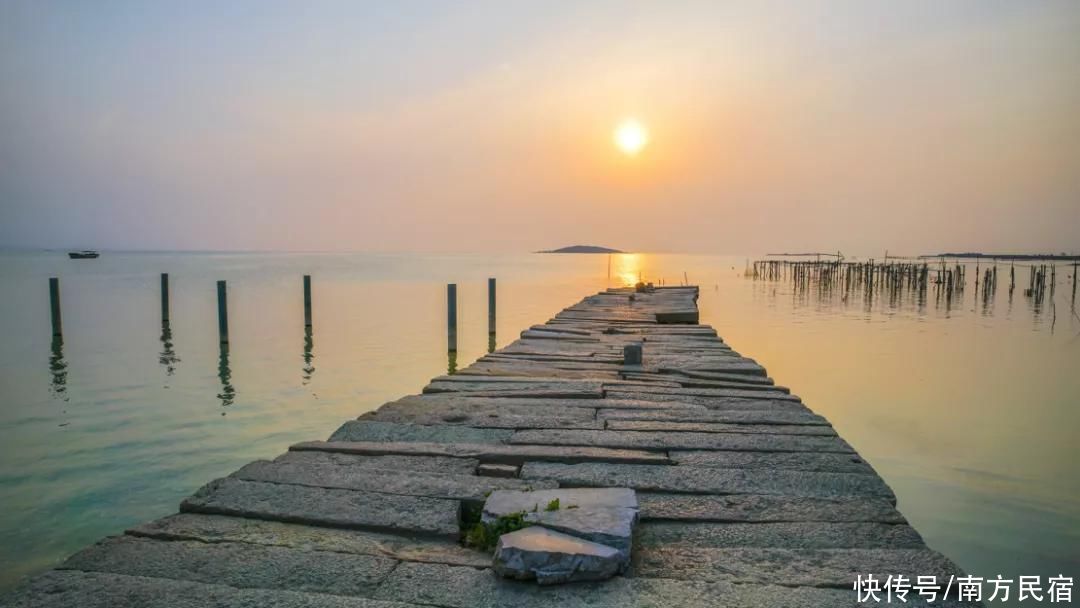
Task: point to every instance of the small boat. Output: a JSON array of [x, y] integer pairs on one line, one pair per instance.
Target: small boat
[[83, 255]]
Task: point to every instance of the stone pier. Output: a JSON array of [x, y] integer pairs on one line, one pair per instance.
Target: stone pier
[[747, 497]]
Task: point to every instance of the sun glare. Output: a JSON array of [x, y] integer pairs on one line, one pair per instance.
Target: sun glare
[[631, 137]]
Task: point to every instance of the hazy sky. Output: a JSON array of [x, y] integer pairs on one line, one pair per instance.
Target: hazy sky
[[487, 126]]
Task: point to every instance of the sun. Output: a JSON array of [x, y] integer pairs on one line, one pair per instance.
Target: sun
[[631, 137]]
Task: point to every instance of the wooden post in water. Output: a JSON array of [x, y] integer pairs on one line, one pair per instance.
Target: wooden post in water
[[451, 317], [1074, 284], [222, 314], [307, 300], [491, 306], [164, 297], [54, 306]]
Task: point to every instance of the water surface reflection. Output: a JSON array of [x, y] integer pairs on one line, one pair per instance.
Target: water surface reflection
[[227, 395], [309, 356], [58, 369], [167, 357]]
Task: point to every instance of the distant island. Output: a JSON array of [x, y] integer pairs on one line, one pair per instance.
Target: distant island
[[582, 249], [1008, 256]]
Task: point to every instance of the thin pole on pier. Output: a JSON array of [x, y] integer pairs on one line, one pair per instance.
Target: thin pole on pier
[[54, 305], [222, 314], [451, 317], [307, 300], [491, 306], [164, 297]]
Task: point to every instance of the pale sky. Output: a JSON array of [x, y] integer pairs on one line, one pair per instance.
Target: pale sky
[[914, 126]]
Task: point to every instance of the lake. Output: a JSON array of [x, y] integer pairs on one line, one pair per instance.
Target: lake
[[969, 407]]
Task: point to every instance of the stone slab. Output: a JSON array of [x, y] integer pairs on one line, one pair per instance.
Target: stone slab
[[71, 588], [534, 385], [505, 502], [602, 515], [691, 383], [497, 470], [700, 413], [718, 427], [327, 507], [506, 454], [683, 441], [236, 565], [785, 535], [458, 487], [358, 430], [551, 557], [837, 568], [456, 587], [703, 480], [432, 465], [709, 402], [751, 508], [490, 419], [609, 526], [715, 381], [222, 528], [527, 406], [771, 394], [541, 371], [791, 461]]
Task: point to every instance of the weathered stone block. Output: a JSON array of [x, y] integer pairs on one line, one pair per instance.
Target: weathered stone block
[[552, 557]]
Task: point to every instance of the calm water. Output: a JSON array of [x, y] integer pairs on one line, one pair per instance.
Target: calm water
[[970, 410]]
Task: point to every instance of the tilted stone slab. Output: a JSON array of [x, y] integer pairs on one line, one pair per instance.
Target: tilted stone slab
[[579, 387], [524, 406], [502, 503], [468, 405], [609, 526], [505, 454], [540, 371], [534, 392], [602, 515], [702, 414], [236, 564], [633, 384], [837, 568], [717, 403], [456, 587], [373, 430], [551, 557], [683, 440], [458, 487], [704, 375], [791, 461], [702, 480], [497, 470], [732, 364], [751, 508], [457, 379], [785, 535], [598, 356], [688, 379], [222, 528], [685, 316], [327, 507], [718, 427], [694, 384], [432, 465], [71, 588], [491, 419], [773, 393]]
